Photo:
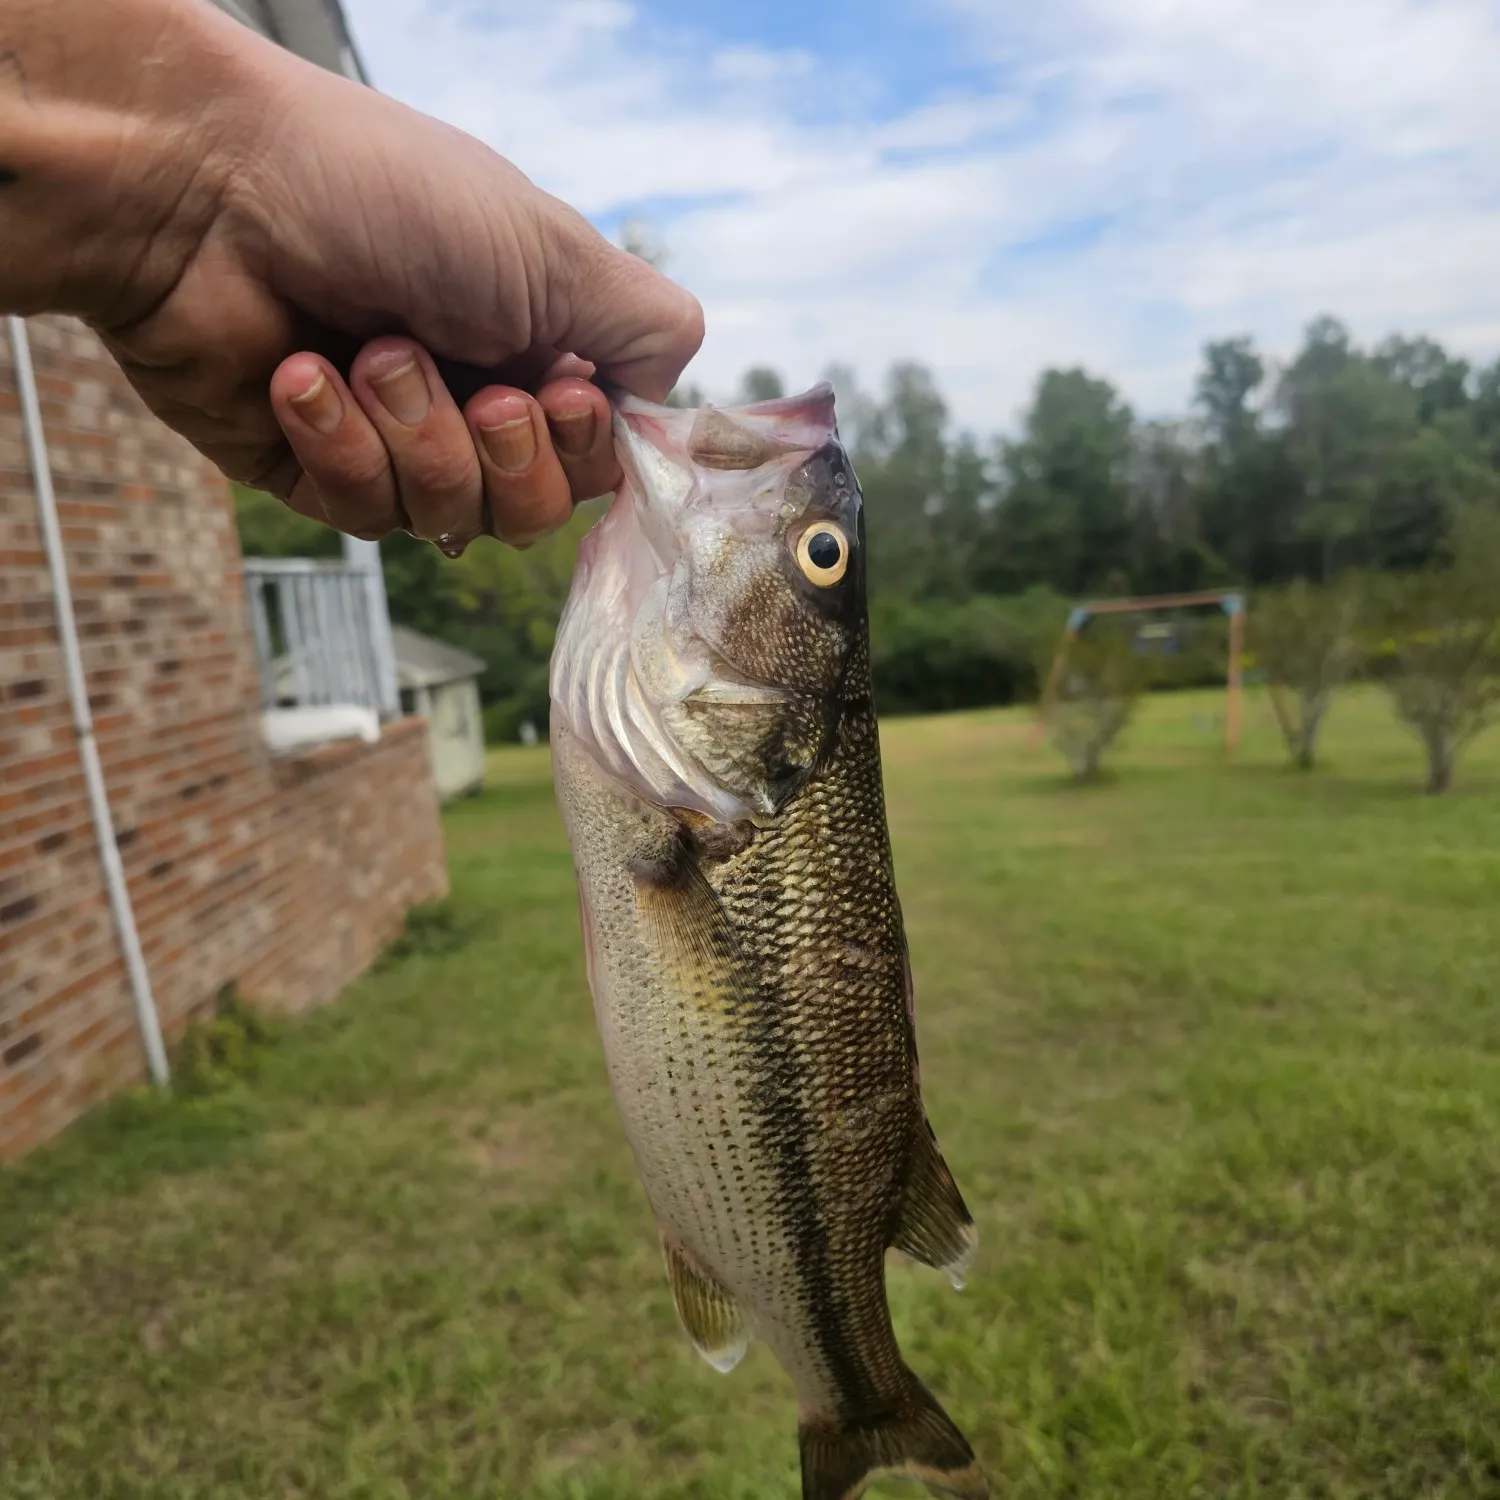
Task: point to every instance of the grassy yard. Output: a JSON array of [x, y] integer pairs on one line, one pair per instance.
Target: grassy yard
[[1214, 1051]]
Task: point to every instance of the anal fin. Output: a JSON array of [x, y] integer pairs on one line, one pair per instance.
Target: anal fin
[[710, 1316], [936, 1226]]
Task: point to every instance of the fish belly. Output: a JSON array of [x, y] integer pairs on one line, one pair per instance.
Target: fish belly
[[685, 1075]]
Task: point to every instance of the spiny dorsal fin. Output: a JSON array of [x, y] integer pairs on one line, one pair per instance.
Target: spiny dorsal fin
[[709, 1314], [936, 1227]]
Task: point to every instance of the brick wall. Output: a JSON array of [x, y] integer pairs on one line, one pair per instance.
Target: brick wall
[[285, 877], [360, 844]]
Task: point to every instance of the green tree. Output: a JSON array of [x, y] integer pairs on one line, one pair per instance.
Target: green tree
[[1232, 375], [1484, 411], [1444, 630], [1096, 696], [761, 383], [1063, 514], [967, 497], [1383, 448], [1247, 495], [1439, 382], [902, 460], [506, 605], [1164, 491], [1303, 637], [268, 528]]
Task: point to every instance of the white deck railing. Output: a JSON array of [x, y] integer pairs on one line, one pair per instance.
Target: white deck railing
[[316, 636]]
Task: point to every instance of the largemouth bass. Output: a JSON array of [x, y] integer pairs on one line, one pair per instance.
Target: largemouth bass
[[717, 764]]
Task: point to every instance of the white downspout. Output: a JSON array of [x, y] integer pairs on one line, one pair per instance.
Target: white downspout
[[83, 718]]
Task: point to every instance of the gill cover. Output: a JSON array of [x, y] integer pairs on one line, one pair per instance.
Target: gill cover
[[699, 651]]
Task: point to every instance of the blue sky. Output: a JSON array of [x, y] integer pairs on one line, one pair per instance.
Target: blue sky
[[890, 54], [995, 187]]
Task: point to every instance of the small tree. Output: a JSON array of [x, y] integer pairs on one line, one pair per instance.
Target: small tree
[[1101, 684], [1303, 638], [1444, 630]]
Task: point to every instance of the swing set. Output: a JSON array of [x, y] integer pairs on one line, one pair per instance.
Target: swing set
[[1232, 602]]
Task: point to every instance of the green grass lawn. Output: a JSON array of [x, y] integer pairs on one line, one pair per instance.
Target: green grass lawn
[[1214, 1050]]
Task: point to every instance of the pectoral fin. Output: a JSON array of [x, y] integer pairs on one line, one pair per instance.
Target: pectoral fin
[[687, 931], [936, 1227], [710, 1315]]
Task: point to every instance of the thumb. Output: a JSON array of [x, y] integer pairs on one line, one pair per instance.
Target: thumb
[[615, 310]]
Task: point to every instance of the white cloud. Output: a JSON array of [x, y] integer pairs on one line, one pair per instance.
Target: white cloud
[[1246, 165]]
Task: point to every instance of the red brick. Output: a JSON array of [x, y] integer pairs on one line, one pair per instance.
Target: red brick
[[284, 876]]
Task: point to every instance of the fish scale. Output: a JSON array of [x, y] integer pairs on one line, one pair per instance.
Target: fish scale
[[745, 943]]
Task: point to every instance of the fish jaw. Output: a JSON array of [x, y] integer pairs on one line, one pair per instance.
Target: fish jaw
[[643, 670]]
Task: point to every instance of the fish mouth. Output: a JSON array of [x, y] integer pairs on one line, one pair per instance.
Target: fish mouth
[[635, 683], [728, 691], [660, 448]]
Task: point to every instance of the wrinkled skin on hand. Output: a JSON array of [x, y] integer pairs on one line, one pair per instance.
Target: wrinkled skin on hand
[[357, 308]]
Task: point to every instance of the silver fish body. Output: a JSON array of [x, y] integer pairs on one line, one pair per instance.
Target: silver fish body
[[717, 764]]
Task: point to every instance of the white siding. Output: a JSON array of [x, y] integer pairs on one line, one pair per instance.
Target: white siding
[[457, 735]]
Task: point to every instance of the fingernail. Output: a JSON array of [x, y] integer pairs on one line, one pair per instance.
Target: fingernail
[[319, 406], [575, 432], [512, 445], [404, 393]]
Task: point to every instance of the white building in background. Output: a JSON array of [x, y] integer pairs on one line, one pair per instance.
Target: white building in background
[[441, 683]]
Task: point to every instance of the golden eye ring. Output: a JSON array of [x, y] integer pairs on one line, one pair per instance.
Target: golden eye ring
[[823, 554]]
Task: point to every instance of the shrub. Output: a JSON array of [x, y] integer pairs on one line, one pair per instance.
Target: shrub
[[931, 655], [1096, 695], [1442, 629], [213, 1053], [1303, 639]]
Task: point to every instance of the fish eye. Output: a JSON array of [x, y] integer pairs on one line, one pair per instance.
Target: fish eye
[[823, 554]]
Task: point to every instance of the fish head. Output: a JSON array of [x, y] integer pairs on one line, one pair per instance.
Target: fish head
[[716, 608]]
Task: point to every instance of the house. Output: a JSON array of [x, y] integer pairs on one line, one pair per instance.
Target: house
[[154, 847], [441, 683], [312, 693]]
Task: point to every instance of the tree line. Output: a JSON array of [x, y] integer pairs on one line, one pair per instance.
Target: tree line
[[1342, 461]]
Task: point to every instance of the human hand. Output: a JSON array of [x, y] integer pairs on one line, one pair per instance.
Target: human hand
[[351, 305]]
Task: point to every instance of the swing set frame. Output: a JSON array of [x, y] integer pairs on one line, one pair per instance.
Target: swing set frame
[[1231, 601]]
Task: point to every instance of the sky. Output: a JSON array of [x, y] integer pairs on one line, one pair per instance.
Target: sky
[[996, 186]]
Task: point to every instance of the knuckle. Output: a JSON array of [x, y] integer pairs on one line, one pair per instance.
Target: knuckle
[[440, 475], [691, 326], [522, 518], [351, 471]]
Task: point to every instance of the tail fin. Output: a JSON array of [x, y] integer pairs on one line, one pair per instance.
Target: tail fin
[[917, 1441]]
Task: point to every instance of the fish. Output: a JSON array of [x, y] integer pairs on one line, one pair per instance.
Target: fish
[[716, 761]]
